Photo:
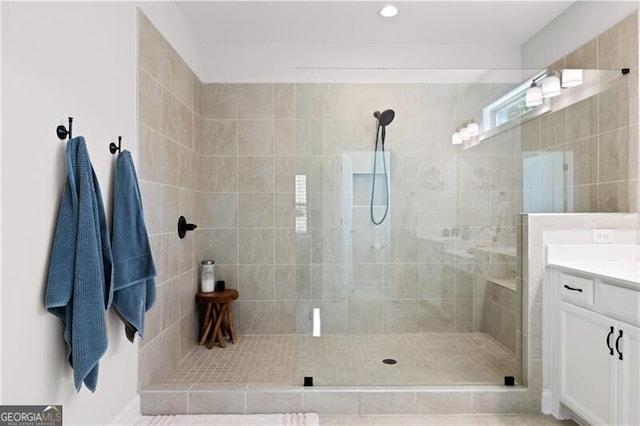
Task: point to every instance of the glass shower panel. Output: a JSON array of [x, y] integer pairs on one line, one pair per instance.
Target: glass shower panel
[[435, 286], [577, 156]]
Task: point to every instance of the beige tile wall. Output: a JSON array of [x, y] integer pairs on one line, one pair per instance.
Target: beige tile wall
[[500, 312], [257, 137], [600, 133], [168, 163]]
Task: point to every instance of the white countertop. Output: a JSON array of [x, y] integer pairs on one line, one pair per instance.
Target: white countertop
[[628, 272], [615, 262]]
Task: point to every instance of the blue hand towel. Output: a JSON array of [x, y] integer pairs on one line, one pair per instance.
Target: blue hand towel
[[133, 270], [79, 282]]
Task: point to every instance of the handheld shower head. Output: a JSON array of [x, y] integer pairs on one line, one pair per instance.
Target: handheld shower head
[[385, 117]]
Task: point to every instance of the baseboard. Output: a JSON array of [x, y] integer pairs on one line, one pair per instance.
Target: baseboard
[[129, 414]]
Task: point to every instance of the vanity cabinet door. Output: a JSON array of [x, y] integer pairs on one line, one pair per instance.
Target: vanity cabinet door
[[629, 378], [587, 373]]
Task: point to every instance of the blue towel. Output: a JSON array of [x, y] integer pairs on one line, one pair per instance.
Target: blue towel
[[79, 282], [133, 270]]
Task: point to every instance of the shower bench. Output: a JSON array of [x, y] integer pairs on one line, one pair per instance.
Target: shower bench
[[217, 318]]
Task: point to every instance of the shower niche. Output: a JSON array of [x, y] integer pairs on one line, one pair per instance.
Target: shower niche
[[357, 180], [363, 242]]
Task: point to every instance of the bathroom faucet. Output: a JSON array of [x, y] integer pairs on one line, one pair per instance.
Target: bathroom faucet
[[493, 232]]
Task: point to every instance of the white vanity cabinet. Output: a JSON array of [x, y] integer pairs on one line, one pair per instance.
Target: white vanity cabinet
[[595, 345], [630, 381]]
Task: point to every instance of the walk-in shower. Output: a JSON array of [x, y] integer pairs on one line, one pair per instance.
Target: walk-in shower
[[280, 176], [384, 119], [433, 282]]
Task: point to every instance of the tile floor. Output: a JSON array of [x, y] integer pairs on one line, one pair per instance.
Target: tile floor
[[352, 360], [401, 420], [451, 419]]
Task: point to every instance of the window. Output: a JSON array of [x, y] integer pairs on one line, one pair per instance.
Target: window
[[301, 204], [509, 107], [512, 110]]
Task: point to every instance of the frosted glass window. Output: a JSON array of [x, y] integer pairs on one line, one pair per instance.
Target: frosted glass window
[[301, 204], [507, 108]]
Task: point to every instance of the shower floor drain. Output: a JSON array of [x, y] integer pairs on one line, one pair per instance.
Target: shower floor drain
[[389, 361]]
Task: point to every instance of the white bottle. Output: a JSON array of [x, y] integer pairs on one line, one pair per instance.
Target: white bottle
[[208, 277]]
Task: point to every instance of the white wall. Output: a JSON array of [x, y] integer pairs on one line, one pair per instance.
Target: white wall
[[270, 62], [59, 59], [578, 24]]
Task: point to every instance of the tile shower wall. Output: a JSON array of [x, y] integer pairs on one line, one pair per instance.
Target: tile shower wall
[[597, 137], [501, 311], [168, 97], [404, 276]]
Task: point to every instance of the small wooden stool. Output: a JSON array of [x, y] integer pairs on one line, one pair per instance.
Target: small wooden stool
[[217, 317]]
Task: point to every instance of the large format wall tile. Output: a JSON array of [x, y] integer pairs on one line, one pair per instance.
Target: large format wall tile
[[618, 46], [585, 57], [613, 156], [255, 101], [255, 137], [219, 137], [219, 174], [219, 101], [149, 101], [169, 172], [255, 174]]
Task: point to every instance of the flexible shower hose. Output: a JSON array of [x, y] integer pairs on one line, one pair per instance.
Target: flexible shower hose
[[386, 179]]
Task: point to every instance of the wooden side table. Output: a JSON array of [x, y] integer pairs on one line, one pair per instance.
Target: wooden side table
[[218, 317]]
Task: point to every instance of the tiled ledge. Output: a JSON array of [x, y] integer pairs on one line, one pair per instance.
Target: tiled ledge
[[254, 398]]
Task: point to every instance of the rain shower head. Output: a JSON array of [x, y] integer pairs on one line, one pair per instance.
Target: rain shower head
[[385, 117]]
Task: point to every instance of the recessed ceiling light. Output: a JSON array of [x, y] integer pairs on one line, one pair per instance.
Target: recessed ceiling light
[[388, 11]]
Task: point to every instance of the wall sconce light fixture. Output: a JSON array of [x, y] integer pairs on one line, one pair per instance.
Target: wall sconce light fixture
[[533, 97], [473, 129], [551, 86], [456, 139], [467, 131], [571, 77]]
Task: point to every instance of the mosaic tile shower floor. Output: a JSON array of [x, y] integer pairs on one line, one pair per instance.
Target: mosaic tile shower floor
[[352, 360]]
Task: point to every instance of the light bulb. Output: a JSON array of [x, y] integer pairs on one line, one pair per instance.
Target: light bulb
[[551, 87], [533, 96], [473, 129], [571, 78], [456, 139], [388, 11], [464, 134]]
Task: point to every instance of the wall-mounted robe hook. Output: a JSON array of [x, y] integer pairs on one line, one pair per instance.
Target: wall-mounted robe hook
[[113, 148], [62, 131]]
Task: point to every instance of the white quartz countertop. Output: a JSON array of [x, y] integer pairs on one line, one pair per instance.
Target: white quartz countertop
[[619, 262]]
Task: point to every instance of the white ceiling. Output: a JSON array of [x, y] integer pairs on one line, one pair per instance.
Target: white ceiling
[[353, 22]]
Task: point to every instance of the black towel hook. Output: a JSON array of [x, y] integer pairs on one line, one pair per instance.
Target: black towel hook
[[62, 131], [113, 148]]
